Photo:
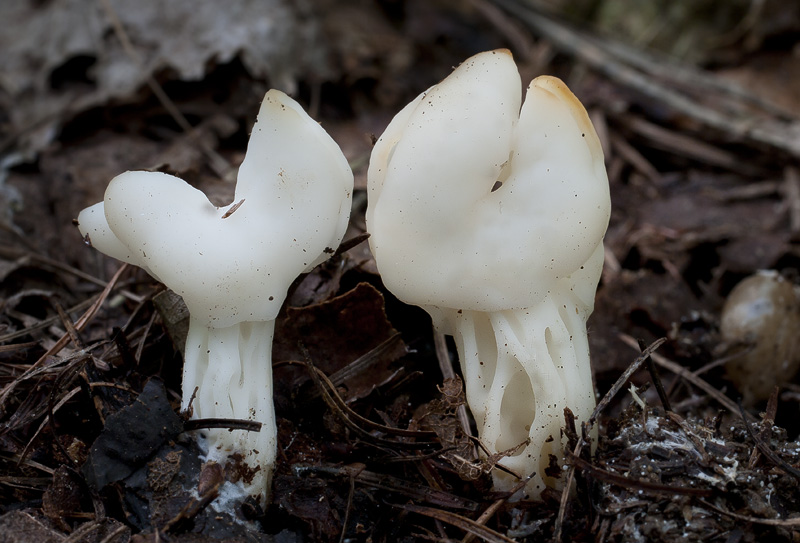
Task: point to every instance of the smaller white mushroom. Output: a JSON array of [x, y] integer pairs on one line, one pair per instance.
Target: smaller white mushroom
[[761, 318], [233, 265], [492, 219]]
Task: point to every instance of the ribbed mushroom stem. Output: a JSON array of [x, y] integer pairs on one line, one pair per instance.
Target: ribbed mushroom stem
[[229, 372], [520, 375]]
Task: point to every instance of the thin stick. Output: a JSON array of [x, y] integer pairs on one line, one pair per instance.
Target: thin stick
[[679, 370], [651, 368], [229, 424], [69, 326], [628, 483], [466, 524], [787, 523], [349, 507]]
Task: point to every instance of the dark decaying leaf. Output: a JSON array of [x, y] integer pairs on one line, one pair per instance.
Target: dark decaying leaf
[[131, 436], [458, 448], [314, 501], [175, 317], [64, 496], [336, 333]]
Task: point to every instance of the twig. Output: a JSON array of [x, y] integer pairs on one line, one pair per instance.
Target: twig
[[466, 524], [17, 346], [685, 145], [651, 368], [66, 375], [721, 361], [68, 325], [620, 382], [392, 346], [19, 460], [697, 442], [356, 422], [179, 522], [81, 323], [108, 384], [507, 25], [635, 158], [230, 424], [348, 244], [119, 531], [46, 422], [679, 370], [349, 507], [233, 209], [787, 523], [46, 323], [690, 77], [766, 425], [120, 340], [140, 347], [22, 256], [633, 484]]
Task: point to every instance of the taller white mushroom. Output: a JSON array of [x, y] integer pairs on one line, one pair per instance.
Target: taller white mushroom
[[233, 265], [492, 220]]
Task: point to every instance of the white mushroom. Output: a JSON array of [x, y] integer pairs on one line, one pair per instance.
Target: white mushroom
[[492, 219], [233, 265]]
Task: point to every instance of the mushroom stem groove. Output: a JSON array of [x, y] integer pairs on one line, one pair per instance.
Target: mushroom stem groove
[[518, 375], [230, 370]]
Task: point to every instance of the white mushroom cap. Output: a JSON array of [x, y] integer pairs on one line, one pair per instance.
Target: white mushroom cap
[[442, 237], [94, 227], [235, 263]]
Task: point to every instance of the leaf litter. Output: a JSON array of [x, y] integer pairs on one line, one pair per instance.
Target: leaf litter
[[371, 446]]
